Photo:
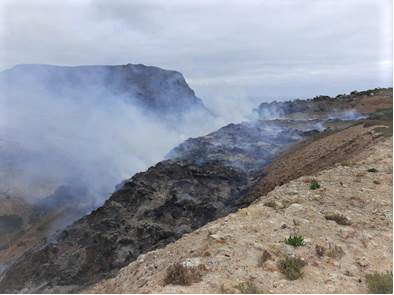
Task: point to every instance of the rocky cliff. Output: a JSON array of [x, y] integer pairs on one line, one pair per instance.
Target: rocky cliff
[[152, 88]]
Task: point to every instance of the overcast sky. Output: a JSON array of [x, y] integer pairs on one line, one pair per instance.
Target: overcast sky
[[225, 49]]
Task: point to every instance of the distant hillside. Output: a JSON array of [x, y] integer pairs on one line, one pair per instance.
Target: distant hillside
[[153, 88], [323, 106]]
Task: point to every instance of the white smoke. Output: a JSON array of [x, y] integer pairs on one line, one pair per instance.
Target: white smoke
[[91, 140], [348, 115]]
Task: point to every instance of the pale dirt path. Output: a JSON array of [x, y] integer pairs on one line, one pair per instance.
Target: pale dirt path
[[230, 247]]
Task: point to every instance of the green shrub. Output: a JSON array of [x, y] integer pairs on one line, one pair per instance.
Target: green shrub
[[373, 170], [314, 184], [291, 267], [295, 241], [380, 283], [248, 288]]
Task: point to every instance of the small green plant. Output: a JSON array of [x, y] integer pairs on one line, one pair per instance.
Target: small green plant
[[179, 274], [248, 288], [380, 283], [338, 218], [314, 184], [295, 241], [291, 267], [373, 170]]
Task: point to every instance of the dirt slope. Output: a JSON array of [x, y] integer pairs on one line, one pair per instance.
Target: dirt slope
[[230, 248]]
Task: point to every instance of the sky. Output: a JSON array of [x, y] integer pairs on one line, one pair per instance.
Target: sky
[[226, 49]]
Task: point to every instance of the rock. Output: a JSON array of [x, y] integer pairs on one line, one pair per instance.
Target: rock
[[362, 261]]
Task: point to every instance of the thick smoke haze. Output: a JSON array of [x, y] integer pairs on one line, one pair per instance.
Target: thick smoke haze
[[234, 54], [49, 140]]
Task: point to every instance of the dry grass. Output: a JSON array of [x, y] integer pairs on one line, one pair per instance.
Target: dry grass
[[338, 218], [380, 283], [291, 267], [335, 251], [248, 288], [179, 274], [320, 250]]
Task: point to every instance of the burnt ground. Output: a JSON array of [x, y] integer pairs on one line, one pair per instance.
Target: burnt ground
[[170, 199], [152, 209]]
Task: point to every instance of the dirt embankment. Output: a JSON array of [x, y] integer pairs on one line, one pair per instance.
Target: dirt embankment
[[243, 250]]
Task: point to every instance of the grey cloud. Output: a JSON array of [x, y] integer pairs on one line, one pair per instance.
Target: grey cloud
[[233, 49]]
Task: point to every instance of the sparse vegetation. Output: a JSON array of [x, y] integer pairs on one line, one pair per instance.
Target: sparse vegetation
[[335, 251], [338, 218], [248, 288], [380, 283], [376, 182], [179, 274], [314, 184], [291, 267], [372, 170], [381, 114], [295, 241]]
